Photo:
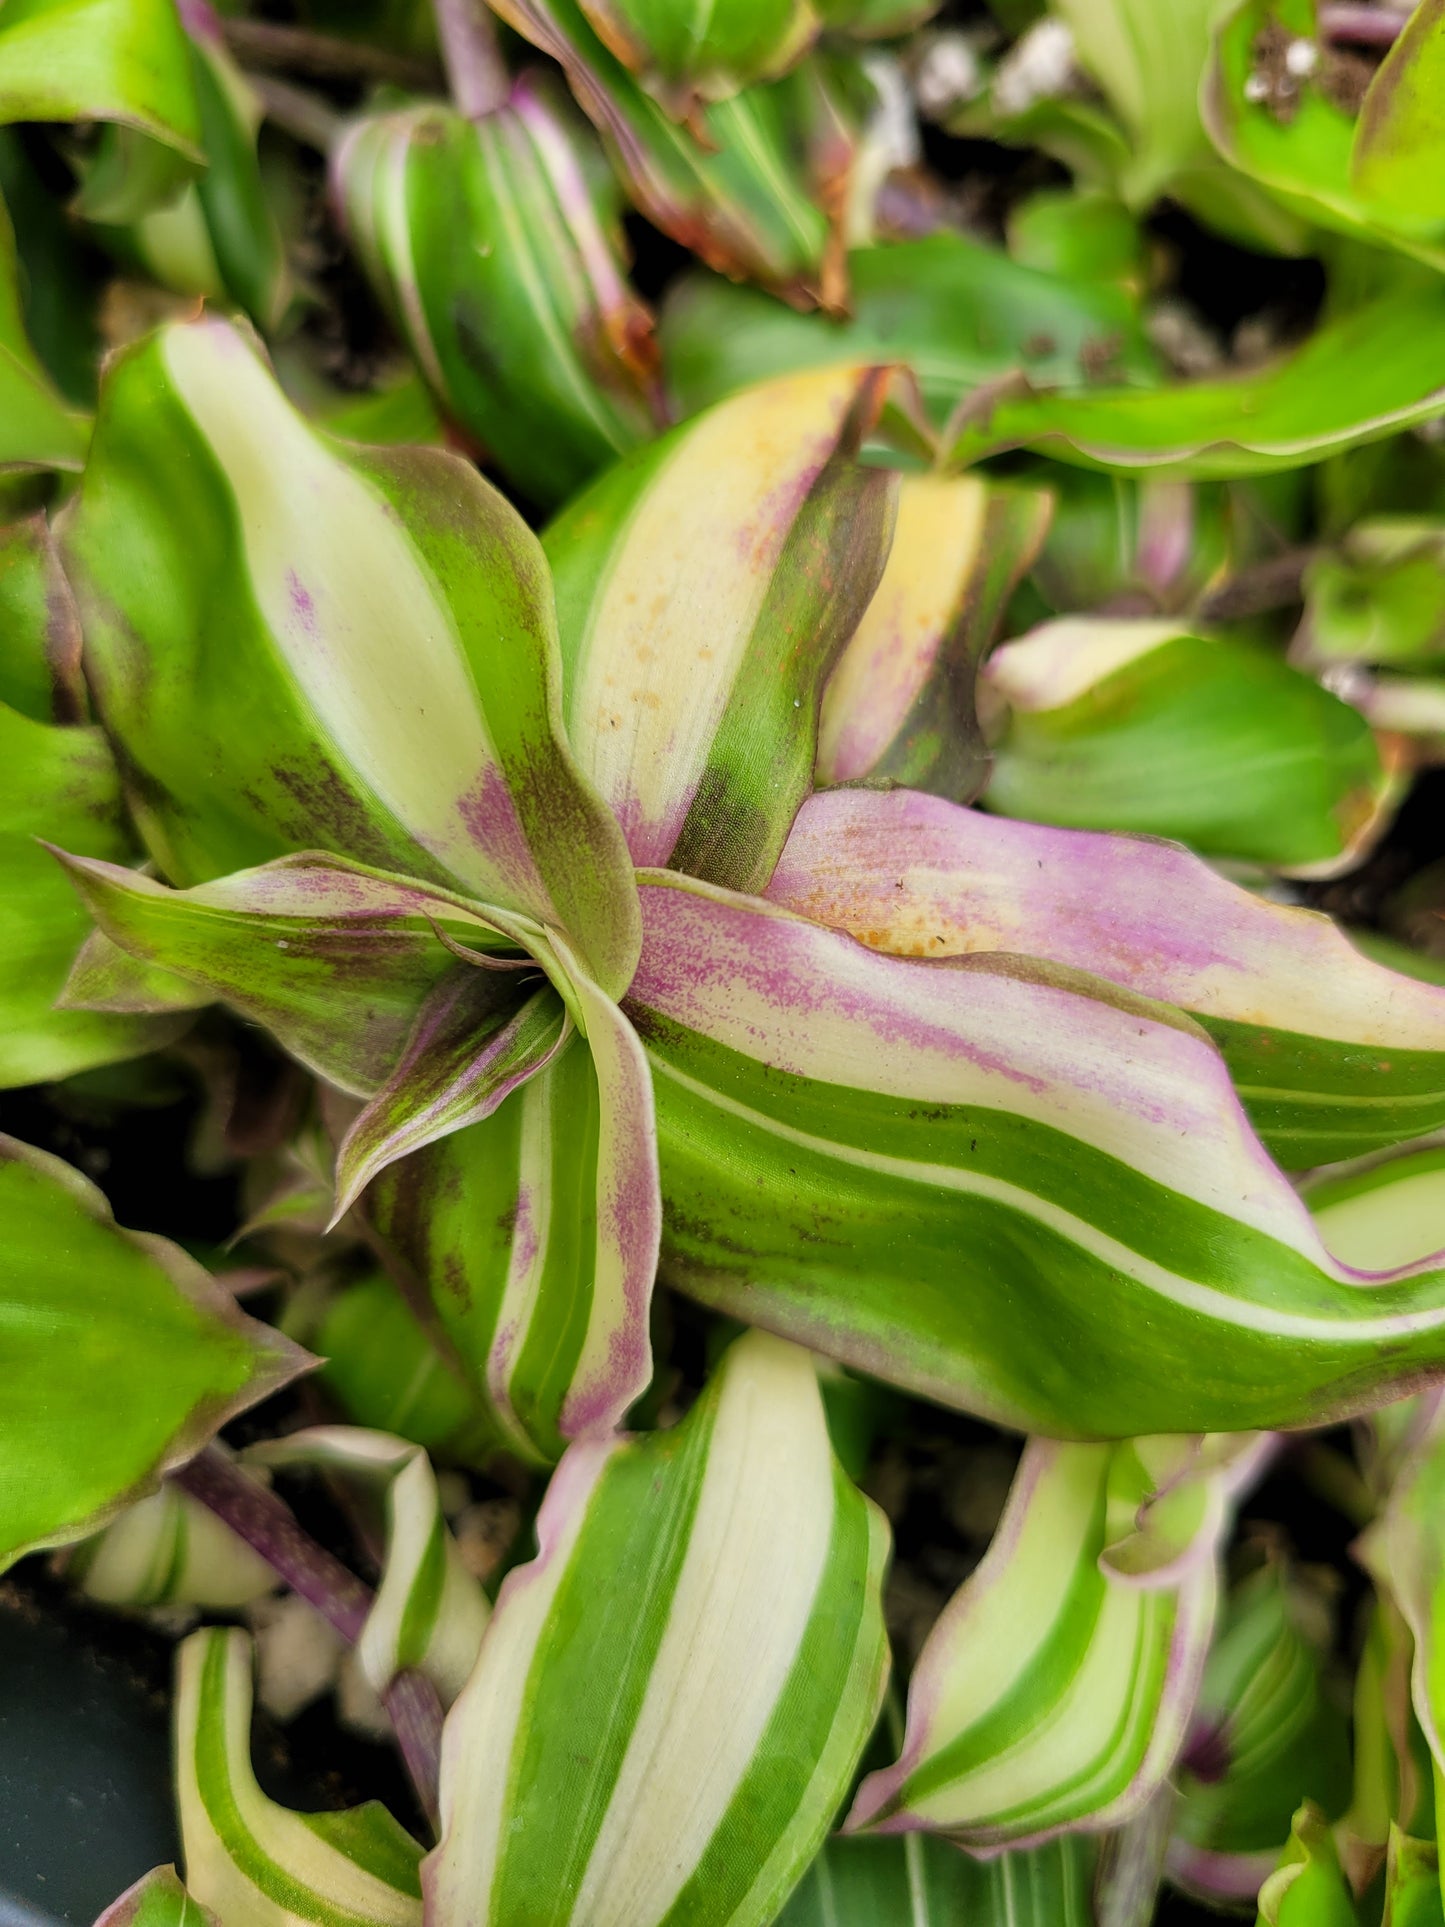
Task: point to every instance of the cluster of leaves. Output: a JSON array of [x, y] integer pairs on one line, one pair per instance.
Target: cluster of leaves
[[849, 870]]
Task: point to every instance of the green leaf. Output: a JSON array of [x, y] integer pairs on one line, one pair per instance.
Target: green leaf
[[1362, 375], [56, 781], [429, 1613], [1134, 724], [1295, 134], [916, 1880], [1412, 1883], [383, 1369], [1398, 156], [1148, 59], [672, 1697], [1266, 1733], [899, 705], [40, 660], [249, 1859], [995, 1182], [1332, 1054], [120, 1356], [1056, 1688], [1307, 1889], [704, 588], [737, 191], [530, 337], [683, 59], [156, 1900], [349, 649], [1161, 544], [958, 313], [37, 429], [1385, 1213], [1379, 597], [106, 60]]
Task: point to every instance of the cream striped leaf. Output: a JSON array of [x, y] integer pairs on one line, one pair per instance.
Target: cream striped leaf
[[1332, 1054], [156, 1900], [995, 1182], [704, 588], [298, 643], [1056, 1689], [899, 705], [250, 1860], [430, 1613], [545, 1289], [672, 1697], [169, 1550]]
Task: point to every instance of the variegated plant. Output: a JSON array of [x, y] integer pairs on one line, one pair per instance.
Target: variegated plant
[[732, 983]]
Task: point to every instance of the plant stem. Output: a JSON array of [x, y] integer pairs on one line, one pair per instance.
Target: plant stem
[[1275, 583], [475, 71], [1363, 26], [268, 1525], [261, 43], [305, 116]]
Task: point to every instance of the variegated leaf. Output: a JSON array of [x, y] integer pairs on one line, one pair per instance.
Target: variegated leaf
[[1136, 724], [300, 645], [531, 336], [535, 1234], [1332, 1054], [683, 59], [741, 197], [156, 1900], [1385, 1211], [899, 705], [671, 1698], [1267, 1732], [250, 1860], [1308, 1888], [996, 1182], [169, 1550], [704, 588], [1056, 1689], [429, 1613]]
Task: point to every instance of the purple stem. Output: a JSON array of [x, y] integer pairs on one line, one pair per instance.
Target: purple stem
[[475, 70], [1363, 26], [268, 1525]]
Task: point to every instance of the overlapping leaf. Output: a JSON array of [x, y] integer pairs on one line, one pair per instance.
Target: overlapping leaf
[[156, 1900], [119, 1355], [704, 589], [350, 650], [1056, 1688], [671, 1698], [248, 1859], [995, 1182], [169, 1550], [108, 60], [1332, 1054]]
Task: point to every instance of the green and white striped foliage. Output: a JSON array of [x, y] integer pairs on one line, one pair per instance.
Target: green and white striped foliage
[[917, 1880], [251, 1861], [1056, 1689], [705, 587], [430, 1613], [1332, 1054], [996, 1182], [156, 1900], [672, 1697], [299, 644], [530, 337], [170, 1550], [1267, 1732]]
